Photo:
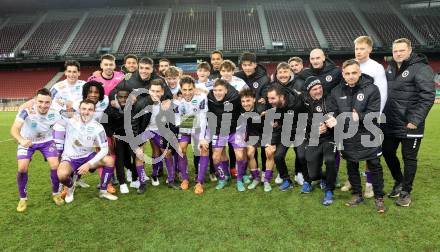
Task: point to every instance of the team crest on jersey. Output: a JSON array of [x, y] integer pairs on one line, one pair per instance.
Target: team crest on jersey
[[255, 85], [405, 73], [360, 97], [328, 78], [318, 108]]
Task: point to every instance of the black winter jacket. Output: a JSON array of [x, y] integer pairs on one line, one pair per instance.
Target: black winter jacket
[[330, 75], [229, 104], [257, 81], [411, 94], [364, 98]]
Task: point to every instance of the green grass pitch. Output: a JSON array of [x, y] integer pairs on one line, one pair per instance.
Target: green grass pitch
[[226, 220]]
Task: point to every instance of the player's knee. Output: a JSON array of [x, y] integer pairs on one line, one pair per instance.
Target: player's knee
[[63, 174], [204, 153], [53, 163], [108, 161], [217, 158], [270, 154], [22, 168], [239, 155]]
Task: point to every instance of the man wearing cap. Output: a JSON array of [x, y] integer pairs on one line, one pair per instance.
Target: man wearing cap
[[321, 145]]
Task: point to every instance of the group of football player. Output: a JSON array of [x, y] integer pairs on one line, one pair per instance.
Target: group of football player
[[240, 122]]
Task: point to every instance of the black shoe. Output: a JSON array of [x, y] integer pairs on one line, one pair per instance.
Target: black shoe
[[396, 191], [115, 181], [404, 199], [355, 200], [380, 205], [142, 188], [174, 185]]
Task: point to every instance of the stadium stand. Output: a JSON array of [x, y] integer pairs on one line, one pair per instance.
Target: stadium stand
[[339, 24], [22, 83], [143, 32], [386, 23], [51, 35], [192, 27], [288, 23], [241, 29], [427, 23], [99, 29], [14, 31]]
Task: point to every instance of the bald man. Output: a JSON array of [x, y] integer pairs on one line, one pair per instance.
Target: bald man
[[323, 68]]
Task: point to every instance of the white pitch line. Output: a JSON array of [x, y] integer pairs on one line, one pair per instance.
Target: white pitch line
[[7, 140]]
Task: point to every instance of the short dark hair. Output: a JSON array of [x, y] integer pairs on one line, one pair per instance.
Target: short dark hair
[[204, 65], [217, 52], [123, 88], [108, 57], [275, 88], [43, 91], [221, 82], [349, 63], [90, 84], [71, 63], [158, 82], [186, 79], [130, 56], [87, 101], [248, 56], [146, 60], [165, 60], [247, 92], [296, 59], [283, 65]]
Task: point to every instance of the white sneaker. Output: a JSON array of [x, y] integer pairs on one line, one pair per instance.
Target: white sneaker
[[124, 189], [81, 184], [69, 194], [128, 175], [278, 180], [346, 187], [299, 178], [147, 178], [369, 193], [135, 184], [107, 195], [212, 177], [155, 181]]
